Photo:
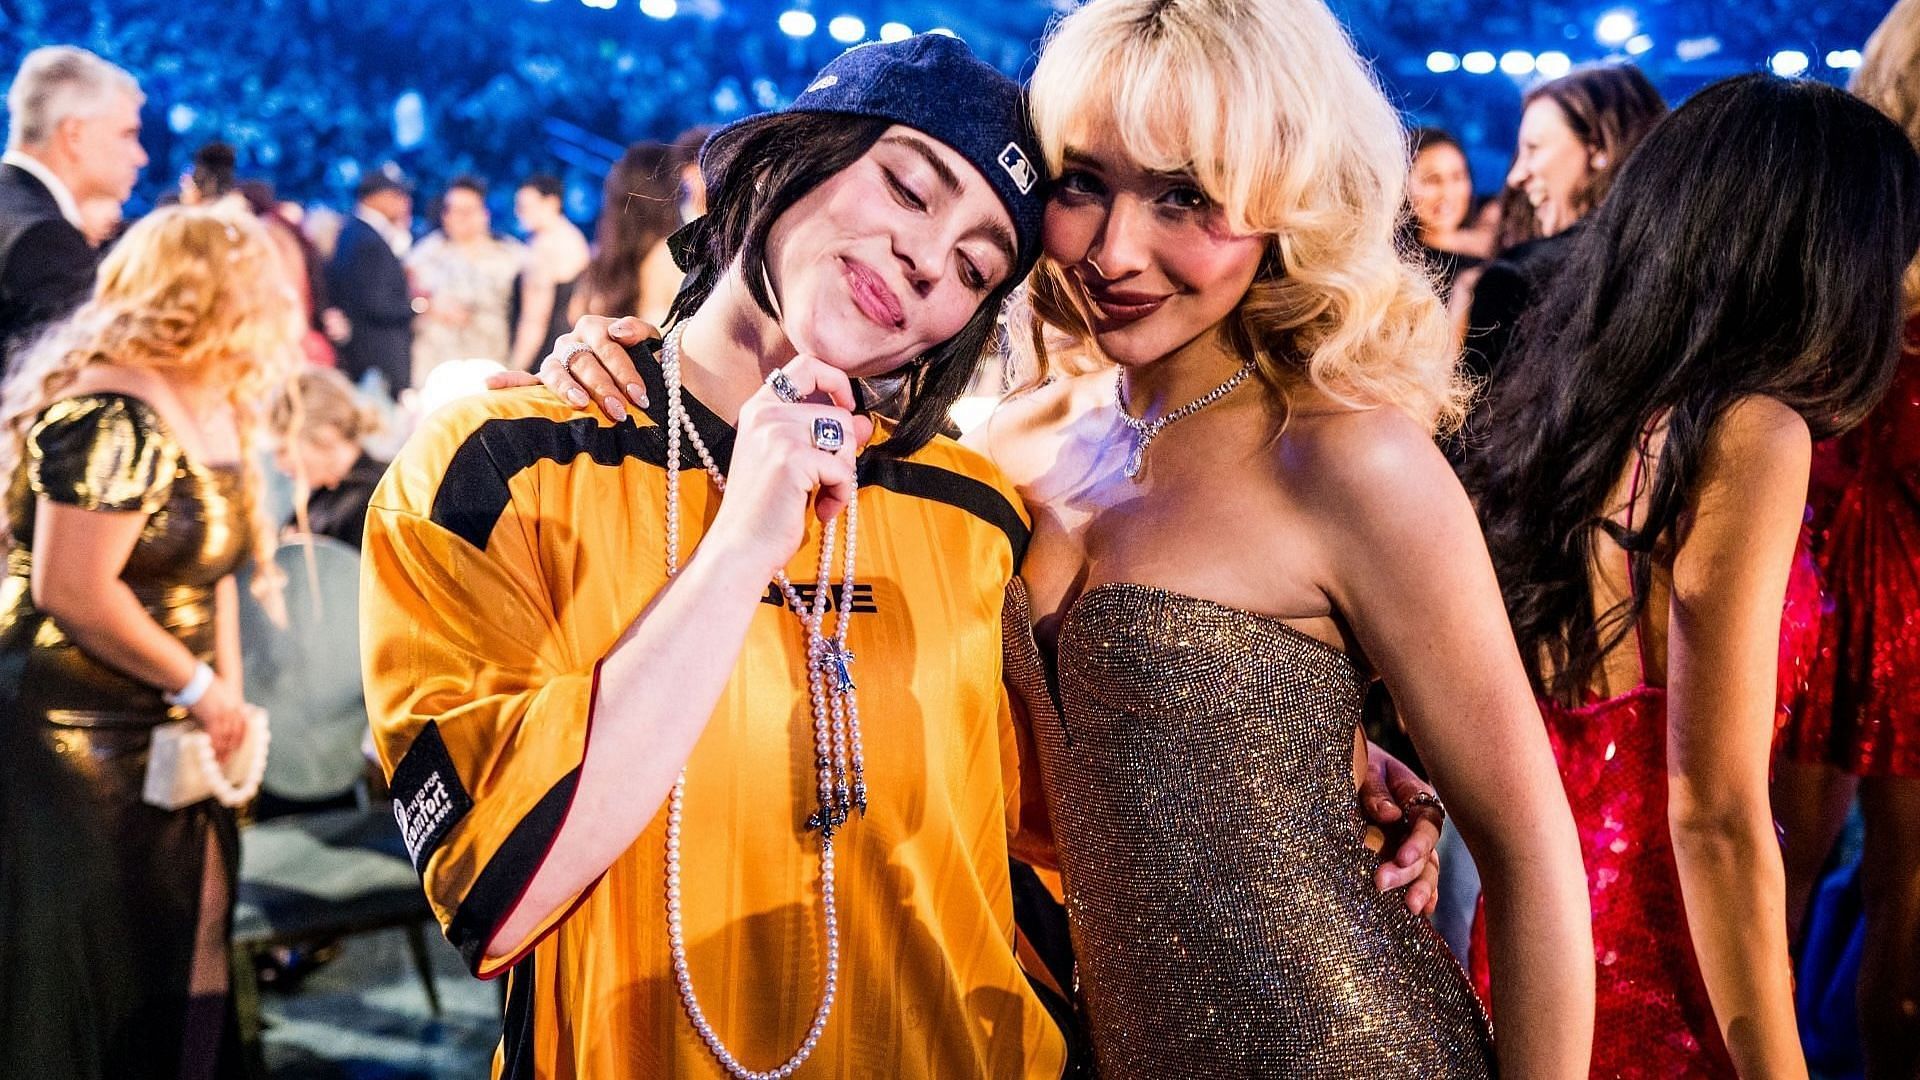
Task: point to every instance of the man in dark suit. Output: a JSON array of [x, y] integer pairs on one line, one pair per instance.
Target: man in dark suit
[[74, 135], [368, 283]]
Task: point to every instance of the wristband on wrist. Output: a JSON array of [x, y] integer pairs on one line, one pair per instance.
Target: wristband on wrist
[[189, 695]]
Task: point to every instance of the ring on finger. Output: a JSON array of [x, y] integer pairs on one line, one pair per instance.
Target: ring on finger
[[828, 434], [784, 389], [567, 362], [1427, 800]]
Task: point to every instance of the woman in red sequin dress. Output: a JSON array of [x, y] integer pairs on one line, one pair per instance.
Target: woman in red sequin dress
[[1643, 491], [1860, 734]]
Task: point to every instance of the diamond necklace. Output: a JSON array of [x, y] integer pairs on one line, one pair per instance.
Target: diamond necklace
[[836, 731], [1145, 431]]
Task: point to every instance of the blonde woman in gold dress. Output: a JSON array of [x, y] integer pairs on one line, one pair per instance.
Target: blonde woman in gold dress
[[126, 437]]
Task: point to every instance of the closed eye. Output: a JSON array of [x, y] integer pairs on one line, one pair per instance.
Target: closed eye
[[903, 193]]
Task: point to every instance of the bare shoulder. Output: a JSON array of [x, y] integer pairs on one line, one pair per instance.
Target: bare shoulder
[[1367, 460], [1023, 433], [1759, 441]]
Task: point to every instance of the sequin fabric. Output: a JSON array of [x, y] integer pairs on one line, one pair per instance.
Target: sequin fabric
[[1863, 712], [1199, 781], [1653, 1018]]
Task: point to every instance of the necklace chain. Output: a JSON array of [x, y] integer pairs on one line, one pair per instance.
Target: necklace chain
[[1145, 431], [838, 757]]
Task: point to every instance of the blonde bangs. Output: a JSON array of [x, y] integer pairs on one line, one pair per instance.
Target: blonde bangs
[[1268, 107]]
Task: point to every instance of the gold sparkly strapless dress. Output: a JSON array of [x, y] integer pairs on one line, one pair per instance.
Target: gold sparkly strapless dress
[[1199, 778]]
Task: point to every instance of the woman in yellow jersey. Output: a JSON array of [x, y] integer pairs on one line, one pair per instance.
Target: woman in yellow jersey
[[526, 642]]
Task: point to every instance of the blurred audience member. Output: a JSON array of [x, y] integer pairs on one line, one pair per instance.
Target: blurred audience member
[[367, 283], [100, 220], [319, 424], [693, 184], [126, 436], [73, 135], [632, 271], [465, 274], [304, 267], [1439, 198], [557, 256], [213, 175]]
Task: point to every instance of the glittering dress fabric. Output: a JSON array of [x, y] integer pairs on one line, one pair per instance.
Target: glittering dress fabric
[[1199, 779], [1654, 1020], [1864, 710]]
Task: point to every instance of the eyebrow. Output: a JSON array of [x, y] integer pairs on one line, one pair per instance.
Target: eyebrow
[[1081, 157], [1002, 238]]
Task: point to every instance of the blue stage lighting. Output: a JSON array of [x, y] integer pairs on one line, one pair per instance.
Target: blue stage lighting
[[1844, 59], [1516, 62], [895, 31], [846, 29], [1639, 44], [1479, 62], [1788, 63], [1440, 63], [1616, 27], [797, 24], [660, 9]]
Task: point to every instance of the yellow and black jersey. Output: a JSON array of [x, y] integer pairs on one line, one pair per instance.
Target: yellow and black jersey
[[508, 548]]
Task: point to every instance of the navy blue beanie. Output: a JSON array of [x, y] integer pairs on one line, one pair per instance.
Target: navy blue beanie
[[934, 84]]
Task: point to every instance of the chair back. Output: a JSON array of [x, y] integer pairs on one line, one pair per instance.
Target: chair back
[[306, 675]]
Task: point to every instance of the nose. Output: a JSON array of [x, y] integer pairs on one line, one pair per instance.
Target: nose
[[920, 255], [1119, 249]]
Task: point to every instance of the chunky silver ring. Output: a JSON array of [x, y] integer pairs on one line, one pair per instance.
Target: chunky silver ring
[[828, 435], [1429, 799], [783, 387]]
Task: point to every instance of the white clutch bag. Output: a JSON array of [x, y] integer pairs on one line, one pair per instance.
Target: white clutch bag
[[182, 768]]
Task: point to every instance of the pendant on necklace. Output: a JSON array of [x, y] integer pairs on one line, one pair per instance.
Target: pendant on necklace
[[835, 663], [1136, 458]]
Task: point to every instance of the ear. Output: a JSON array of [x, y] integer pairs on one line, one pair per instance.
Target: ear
[[1600, 160]]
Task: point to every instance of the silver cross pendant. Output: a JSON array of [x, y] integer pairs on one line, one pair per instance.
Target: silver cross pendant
[[835, 663]]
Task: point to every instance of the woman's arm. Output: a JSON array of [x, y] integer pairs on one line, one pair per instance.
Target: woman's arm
[[226, 628], [536, 310], [1733, 556], [1409, 570], [77, 559]]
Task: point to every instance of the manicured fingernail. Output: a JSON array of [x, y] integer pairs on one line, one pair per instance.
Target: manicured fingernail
[[614, 408], [638, 393], [576, 397]]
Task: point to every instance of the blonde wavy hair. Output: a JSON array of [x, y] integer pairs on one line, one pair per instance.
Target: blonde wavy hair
[[196, 294], [1889, 80], [1268, 107]]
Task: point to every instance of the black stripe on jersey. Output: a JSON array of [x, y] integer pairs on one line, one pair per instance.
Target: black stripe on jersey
[[506, 875], [924, 481], [516, 1042]]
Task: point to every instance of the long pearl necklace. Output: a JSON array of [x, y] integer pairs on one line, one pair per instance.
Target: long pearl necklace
[[838, 754], [1144, 431]]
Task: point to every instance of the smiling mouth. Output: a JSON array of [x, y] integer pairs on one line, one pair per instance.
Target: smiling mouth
[[1118, 309], [872, 297]]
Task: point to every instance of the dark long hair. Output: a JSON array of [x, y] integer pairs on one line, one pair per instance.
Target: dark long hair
[[639, 208], [1753, 246], [757, 176], [1609, 108]]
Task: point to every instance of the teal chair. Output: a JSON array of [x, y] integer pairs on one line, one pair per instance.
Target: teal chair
[[322, 875]]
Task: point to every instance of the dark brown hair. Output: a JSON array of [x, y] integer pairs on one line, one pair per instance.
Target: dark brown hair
[[758, 175], [1610, 108], [639, 208]]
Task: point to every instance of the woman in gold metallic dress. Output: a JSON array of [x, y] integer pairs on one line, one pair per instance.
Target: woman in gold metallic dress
[[1234, 534], [125, 438]]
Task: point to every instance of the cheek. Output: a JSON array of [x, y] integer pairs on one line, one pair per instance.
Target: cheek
[[1210, 261], [1069, 231]]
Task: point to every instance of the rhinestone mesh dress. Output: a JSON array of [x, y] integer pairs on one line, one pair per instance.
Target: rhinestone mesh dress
[[1199, 778]]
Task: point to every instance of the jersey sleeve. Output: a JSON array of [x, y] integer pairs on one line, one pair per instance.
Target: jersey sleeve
[[481, 710]]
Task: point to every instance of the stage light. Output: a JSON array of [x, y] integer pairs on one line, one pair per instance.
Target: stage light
[[846, 29], [1441, 63], [602, 5], [943, 32], [797, 23], [1638, 44], [180, 118], [1479, 62], [1844, 59], [1516, 62], [1788, 63], [1691, 49], [1616, 26], [660, 9], [895, 31], [1552, 65]]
